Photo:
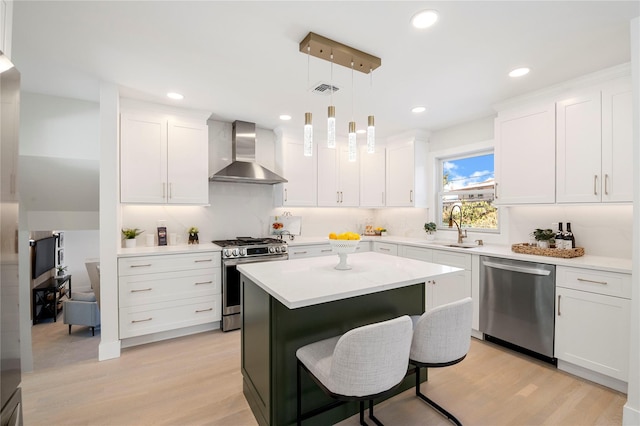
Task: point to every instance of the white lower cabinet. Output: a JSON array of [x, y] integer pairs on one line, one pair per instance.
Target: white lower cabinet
[[315, 250], [446, 289], [168, 292], [592, 322]]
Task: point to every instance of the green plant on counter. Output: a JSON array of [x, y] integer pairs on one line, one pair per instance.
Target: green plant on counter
[[131, 233], [543, 234], [193, 230], [430, 227], [61, 269]]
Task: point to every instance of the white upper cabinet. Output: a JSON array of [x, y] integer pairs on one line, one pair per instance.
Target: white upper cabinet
[[372, 178], [162, 161], [617, 142], [525, 155], [302, 175], [594, 145], [338, 178], [406, 174]]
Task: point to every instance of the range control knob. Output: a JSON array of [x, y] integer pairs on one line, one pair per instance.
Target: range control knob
[[272, 249], [243, 252], [235, 252], [227, 253], [277, 249], [283, 249]]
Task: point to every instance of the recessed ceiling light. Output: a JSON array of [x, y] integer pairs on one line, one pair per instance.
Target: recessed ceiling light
[[285, 117], [424, 19], [519, 72], [418, 109], [174, 95]]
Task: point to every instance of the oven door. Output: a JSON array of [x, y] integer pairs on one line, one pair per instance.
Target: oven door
[[231, 281]]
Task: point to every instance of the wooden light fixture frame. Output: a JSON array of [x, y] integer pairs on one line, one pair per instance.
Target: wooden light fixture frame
[[322, 47]]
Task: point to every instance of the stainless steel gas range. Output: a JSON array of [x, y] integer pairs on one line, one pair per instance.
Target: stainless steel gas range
[[238, 251]]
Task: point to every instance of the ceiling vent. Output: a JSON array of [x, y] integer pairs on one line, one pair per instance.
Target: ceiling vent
[[324, 89]]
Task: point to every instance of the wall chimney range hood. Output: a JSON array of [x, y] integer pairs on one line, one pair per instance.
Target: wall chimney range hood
[[244, 168]]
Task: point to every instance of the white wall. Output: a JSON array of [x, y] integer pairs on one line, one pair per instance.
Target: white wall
[[79, 246]]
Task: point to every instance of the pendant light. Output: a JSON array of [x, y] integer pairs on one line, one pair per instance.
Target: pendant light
[[371, 127], [308, 126], [352, 145], [331, 116]]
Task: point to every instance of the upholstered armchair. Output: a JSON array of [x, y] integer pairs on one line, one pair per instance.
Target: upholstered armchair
[[83, 308]]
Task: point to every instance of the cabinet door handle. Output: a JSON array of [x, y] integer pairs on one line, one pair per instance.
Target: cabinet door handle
[[584, 280], [325, 251], [595, 184], [299, 252], [141, 290], [203, 310], [170, 190], [384, 249], [495, 190], [204, 282], [411, 195], [146, 265], [559, 296], [341, 197], [606, 184], [203, 260], [338, 197], [285, 195], [142, 320]]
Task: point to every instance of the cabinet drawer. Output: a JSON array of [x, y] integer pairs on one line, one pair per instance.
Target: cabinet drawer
[[154, 288], [140, 320], [599, 282], [459, 260], [139, 265], [300, 252], [385, 248], [418, 253]]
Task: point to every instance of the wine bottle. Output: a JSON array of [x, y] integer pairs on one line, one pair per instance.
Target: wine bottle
[[559, 237], [569, 238]]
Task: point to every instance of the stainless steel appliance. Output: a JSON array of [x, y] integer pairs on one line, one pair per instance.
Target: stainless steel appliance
[[517, 301], [238, 251], [10, 363]]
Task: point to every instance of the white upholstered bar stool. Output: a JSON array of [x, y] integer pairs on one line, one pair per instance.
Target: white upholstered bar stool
[[441, 337], [364, 363]]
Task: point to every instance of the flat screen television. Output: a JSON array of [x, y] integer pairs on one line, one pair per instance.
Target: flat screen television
[[44, 256]]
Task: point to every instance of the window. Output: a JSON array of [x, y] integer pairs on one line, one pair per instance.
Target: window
[[468, 182]]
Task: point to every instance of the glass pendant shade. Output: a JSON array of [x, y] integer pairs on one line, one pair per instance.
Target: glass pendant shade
[[331, 127], [308, 135], [371, 135], [352, 141]]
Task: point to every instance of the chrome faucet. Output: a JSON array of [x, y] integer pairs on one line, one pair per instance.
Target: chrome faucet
[[452, 221]]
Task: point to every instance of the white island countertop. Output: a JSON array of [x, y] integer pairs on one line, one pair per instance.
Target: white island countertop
[[305, 282]]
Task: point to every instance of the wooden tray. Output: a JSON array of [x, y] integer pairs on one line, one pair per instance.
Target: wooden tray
[[526, 248]]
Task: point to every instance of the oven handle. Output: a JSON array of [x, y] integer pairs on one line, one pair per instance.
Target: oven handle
[[233, 262]]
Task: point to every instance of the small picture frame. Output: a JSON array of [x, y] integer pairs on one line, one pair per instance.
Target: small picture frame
[[61, 257], [60, 239]]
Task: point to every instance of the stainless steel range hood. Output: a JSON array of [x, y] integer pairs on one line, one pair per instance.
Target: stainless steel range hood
[[244, 168]]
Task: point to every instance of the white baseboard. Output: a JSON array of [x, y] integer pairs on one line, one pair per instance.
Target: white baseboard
[[477, 334], [630, 416], [170, 334], [593, 376], [108, 350]]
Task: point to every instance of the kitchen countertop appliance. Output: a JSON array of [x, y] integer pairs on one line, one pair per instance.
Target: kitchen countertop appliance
[[236, 252], [517, 302]]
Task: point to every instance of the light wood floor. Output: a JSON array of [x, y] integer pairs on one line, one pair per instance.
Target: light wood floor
[[196, 380]]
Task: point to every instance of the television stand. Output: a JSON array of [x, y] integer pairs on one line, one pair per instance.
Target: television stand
[[46, 297]]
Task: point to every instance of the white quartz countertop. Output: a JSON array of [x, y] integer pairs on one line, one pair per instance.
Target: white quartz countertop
[[305, 282], [602, 263]]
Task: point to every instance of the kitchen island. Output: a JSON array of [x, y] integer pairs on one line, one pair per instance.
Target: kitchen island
[[288, 304]]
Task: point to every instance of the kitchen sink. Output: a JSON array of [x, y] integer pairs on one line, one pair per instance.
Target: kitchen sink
[[460, 245]]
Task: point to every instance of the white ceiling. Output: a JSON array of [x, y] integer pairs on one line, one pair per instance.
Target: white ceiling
[[240, 60]]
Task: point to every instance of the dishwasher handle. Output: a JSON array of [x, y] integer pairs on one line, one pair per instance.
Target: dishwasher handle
[[515, 268]]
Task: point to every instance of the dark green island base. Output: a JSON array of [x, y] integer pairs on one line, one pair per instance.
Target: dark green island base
[[271, 334]]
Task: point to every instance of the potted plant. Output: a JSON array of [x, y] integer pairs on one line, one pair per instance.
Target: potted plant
[[430, 229], [60, 270], [543, 236], [193, 235], [130, 235]]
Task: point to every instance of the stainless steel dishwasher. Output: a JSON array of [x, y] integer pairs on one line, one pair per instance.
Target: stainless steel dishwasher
[[517, 301]]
